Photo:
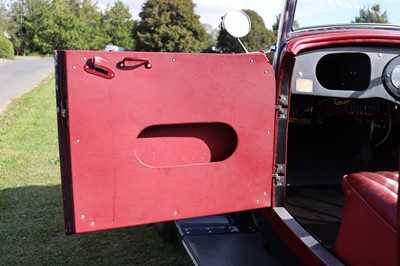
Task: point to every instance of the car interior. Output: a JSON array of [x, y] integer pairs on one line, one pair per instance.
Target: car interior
[[344, 119]]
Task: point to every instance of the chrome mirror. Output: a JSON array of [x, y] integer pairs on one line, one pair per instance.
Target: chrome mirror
[[237, 24]]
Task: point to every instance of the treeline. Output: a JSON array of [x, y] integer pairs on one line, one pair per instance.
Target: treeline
[[41, 26]]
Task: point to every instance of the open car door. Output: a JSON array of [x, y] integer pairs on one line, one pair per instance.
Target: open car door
[[150, 137]]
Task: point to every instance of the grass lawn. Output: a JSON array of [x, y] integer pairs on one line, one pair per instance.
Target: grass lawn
[[31, 216]]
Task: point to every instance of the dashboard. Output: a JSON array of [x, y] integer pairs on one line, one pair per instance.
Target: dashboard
[[358, 72]]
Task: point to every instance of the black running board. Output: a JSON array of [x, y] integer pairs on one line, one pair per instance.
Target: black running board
[[214, 241]]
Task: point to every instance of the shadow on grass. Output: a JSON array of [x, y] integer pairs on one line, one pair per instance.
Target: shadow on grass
[[32, 233]]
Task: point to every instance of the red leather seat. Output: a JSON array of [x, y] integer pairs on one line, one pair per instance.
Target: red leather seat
[[368, 232]]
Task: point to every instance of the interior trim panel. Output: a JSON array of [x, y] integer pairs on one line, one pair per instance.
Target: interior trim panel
[[348, 72]]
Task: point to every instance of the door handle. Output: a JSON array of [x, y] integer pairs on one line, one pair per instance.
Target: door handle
[[144, 61], [94, 68]]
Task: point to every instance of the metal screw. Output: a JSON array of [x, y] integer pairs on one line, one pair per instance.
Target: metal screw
[[121, 65], [84, 58], [78, 140], [268, 132], [83, 216], [380, 54], [266, 72], [148, 65], [175, 212], [73, 67], [173, 60], [251, 60], [265, 193], [257, 201], [300, 74], [92, 224]]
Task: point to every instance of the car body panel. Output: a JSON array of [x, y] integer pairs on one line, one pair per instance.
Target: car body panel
[[189, 135]]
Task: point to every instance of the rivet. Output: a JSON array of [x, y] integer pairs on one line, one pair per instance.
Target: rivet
[[265, 193], [148, 65], [257, 201], [73, 67], [268, 132], [173, 60], [84, 58], [380, 54], [300, 74], [83, 216], [175, 212], [266, 72], [92, 224], [251, 60], [78, 140]]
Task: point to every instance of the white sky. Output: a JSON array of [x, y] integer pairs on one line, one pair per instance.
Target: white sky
[[210, 11], [312, 12]]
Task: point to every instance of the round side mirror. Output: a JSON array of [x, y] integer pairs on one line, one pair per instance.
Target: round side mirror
[[236, 23]]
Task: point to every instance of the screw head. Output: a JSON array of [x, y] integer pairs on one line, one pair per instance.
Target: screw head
[[73, 67]]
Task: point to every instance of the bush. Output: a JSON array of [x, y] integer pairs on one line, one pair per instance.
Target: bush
[[6, 48]]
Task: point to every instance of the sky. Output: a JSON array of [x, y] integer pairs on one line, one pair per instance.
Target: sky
[[210, 11], [311, 13]]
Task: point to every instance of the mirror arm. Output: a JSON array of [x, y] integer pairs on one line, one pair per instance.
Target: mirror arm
[[242, 45]]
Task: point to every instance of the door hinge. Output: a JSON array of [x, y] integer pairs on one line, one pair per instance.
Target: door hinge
[[64, 112], [282, 112], [279, 175], [283, 100], [281, 107]]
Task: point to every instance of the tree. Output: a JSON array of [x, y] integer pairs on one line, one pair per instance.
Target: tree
[[119, 25], [212, 35], [371, 15], [259, 37], [4, 20], [91, 19], [46, 25], [170, 26], [275, 26]]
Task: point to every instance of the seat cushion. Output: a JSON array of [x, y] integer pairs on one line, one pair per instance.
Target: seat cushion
[[368, 231]]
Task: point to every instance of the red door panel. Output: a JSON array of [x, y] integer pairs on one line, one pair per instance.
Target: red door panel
[[164, 136]]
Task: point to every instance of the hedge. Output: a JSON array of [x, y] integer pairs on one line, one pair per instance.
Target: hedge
[[6, 48]]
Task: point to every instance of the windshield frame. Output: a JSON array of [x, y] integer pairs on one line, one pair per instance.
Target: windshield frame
[[337, 26]]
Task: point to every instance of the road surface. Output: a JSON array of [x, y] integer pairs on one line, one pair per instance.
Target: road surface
[[20, 76]]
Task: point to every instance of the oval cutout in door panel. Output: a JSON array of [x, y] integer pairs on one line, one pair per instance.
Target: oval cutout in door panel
[[185, 144]]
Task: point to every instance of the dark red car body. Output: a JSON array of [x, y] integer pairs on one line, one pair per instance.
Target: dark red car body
[[154, 137]]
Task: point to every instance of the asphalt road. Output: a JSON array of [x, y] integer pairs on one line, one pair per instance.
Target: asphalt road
[[20, 76]]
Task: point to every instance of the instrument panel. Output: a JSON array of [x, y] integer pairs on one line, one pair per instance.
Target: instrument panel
[[358, 72]]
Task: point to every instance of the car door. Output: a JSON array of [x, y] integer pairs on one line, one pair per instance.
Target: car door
[[150, 137]]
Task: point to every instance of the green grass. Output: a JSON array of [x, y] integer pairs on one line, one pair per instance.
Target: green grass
[[31, 216]]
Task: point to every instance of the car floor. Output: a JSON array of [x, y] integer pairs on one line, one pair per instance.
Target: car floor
[[316, 164], [318, 209]]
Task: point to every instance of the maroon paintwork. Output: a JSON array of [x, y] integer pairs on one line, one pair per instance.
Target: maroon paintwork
[[178, 136]]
